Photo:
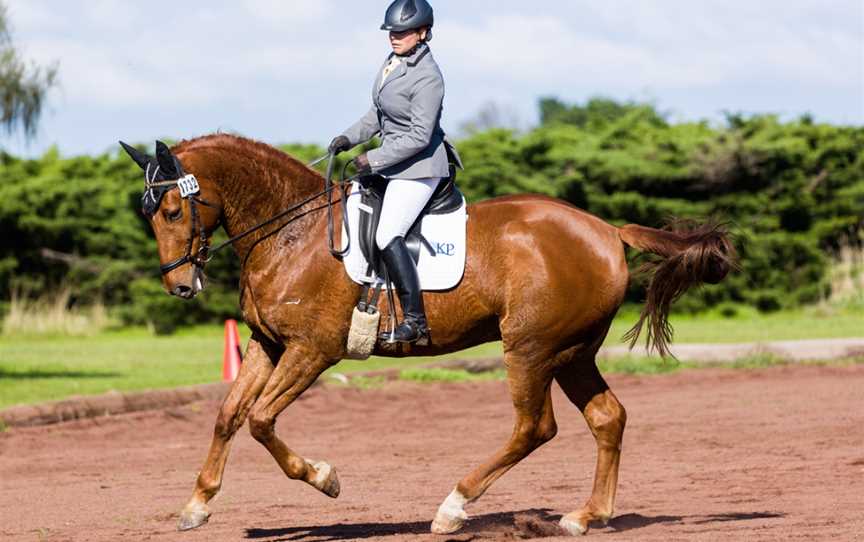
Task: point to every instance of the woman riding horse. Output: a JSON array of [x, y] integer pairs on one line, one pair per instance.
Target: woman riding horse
[[541, 276], [406, 110]]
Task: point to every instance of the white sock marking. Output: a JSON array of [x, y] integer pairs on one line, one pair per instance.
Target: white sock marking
[[454, 505], [323, 470]]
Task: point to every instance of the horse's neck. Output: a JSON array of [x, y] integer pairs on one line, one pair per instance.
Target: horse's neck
[[255, 190]]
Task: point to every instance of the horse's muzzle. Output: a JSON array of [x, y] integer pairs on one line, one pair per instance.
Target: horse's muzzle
[[183, 291]]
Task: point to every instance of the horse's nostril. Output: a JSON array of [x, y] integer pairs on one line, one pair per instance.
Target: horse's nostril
[[182, 291]]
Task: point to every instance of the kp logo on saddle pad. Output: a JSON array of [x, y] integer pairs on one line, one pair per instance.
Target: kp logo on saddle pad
[[445, 249], [446, 238]]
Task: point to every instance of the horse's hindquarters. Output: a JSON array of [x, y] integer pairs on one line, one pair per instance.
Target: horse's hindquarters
[[538, 272]]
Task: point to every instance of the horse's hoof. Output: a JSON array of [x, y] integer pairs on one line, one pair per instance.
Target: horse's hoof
[[451, 514], [326, 479], [447, 524], [574, 525], [193, 516]]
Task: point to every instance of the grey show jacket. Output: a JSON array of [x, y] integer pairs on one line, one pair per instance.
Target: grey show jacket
[[406, 111]]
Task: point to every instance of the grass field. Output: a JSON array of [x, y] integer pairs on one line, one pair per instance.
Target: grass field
[[749, 325], [39, 368], [36, 368]]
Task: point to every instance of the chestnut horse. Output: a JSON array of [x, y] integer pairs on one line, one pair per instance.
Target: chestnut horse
[[543, 277]]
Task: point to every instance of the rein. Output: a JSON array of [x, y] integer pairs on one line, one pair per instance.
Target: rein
[[205, 253]]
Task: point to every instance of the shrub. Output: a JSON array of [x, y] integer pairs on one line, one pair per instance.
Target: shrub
[[794, 192]]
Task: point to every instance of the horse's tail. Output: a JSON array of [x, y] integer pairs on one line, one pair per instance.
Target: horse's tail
[[691, 254]]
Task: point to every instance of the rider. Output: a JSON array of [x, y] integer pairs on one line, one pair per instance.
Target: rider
[[413, 156]]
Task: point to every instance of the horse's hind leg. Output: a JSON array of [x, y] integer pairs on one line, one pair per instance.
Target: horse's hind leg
[[586, 389], [298, 368], [254, 373], [535, 425]]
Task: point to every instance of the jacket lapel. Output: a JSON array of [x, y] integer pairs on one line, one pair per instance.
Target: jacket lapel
[[376, 88], [400, 71]]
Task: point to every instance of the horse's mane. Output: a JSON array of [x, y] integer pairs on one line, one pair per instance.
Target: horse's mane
[[255, 151]]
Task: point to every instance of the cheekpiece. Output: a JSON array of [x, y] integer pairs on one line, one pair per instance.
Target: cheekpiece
[[153, 191]]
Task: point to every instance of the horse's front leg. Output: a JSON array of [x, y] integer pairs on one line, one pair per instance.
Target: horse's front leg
[[254, 373], [298, 368]]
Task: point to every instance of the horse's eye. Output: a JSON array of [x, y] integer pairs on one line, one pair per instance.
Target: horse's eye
[[174, 216]]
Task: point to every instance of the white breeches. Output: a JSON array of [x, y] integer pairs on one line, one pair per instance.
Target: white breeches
[[403, 201]]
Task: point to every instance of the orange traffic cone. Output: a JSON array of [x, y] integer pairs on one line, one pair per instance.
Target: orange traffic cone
[[232, 358]]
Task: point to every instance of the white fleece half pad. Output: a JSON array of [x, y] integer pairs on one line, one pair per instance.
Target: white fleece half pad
[[446, 234]]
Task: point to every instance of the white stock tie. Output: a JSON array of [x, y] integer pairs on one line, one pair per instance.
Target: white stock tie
[[388, 69]]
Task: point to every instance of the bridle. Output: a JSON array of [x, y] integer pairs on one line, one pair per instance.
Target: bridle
[[189, 190], [188, 186]]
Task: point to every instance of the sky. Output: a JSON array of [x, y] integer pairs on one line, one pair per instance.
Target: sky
[[285, 71]]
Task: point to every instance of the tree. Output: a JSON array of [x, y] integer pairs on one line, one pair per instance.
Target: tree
[[492, 116], [597, 112], [23, 85]]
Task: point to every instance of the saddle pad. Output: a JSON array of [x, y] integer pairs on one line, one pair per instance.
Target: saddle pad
[[446, 234]]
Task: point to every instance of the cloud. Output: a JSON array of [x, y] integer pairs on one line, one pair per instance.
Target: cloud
[[310, 63], [27, 15], [116, 16], [687, 44], [544, 51], [119, 55], [91, 76], [282, 12]]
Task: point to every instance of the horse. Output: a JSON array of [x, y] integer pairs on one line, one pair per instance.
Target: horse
[[542, 276]]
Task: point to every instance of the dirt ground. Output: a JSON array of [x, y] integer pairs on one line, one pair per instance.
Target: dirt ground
[[712, 454]]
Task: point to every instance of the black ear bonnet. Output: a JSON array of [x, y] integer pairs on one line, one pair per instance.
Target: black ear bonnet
[[163, 167]]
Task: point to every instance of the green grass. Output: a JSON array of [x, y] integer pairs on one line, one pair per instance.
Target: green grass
[[640, 365], [758, 360], [424, 375], [376, 363], [438, 374], [751, 326], [38, 368], [367, 382]]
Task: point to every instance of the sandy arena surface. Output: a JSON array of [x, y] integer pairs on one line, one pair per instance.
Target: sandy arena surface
[[712, 454]]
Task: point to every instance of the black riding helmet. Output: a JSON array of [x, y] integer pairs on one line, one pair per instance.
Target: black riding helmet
[[405, 15]]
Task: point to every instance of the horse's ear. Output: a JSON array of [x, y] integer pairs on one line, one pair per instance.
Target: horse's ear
[[168, 163], [140, 158]]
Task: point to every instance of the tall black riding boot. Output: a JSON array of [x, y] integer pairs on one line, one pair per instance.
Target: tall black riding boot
[[403, 273]]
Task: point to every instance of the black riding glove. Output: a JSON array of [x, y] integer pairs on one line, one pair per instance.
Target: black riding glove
[[339, 144], [361, 163]]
